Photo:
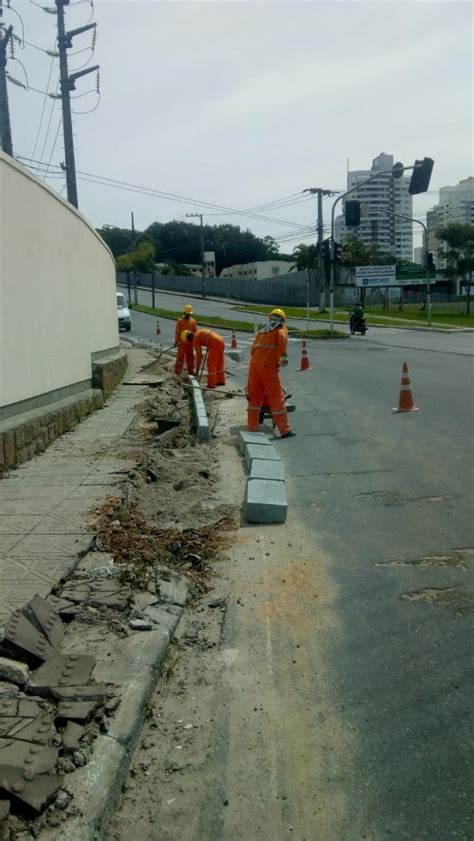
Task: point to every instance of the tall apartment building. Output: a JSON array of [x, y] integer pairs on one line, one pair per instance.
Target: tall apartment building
[[456, 204], [391, 233]]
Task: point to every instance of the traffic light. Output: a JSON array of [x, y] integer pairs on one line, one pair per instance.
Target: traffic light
[[352, 213], [429, 260], [420, 177], [326, 251], [338, 250]]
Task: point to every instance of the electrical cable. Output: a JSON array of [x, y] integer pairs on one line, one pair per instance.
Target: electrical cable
[[54, 143], [11, 9], [44, 107], [90, 109], [53, 105]]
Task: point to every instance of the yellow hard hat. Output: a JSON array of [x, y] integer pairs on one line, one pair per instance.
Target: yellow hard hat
[[280, 313], [185, 334], [188, 310]]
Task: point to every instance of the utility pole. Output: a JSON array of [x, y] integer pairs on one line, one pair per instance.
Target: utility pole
[[320, 192], [5, 128], [68, 84], [134, 245], [200, 216]]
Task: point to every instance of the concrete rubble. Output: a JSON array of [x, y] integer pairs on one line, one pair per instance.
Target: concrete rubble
[[78, 665]]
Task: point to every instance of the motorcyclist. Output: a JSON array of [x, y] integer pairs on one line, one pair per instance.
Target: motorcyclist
[[357, 314]]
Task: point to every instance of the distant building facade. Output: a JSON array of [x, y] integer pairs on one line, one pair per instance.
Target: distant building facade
[[259, 270], [391, 233], [456, 204]]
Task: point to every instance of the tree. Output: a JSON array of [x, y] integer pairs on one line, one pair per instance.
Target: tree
[[119, 240], [355, 252], [457, 248], [143, 259], [306, 256]]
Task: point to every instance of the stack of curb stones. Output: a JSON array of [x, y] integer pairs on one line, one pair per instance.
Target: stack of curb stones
[[265, 494], [200, 414]]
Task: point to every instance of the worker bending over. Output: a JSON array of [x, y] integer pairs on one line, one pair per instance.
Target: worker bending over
[[269, 351], [185, 349], [215, 344]]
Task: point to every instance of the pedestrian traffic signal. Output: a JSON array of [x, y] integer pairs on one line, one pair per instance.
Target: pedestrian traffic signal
[[338, 251], [429, 260], [352, 213], [326, 250], [420, 177]]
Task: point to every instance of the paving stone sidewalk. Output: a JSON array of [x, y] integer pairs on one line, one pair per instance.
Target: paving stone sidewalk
[[44, 503]]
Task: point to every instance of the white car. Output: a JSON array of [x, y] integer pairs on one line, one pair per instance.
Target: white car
[[123, 313]]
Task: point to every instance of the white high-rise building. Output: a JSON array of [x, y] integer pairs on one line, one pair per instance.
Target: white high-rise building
[[391, 233], [456, 204]]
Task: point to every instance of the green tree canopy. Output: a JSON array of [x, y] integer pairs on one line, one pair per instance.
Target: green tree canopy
[[355, 252], [306, 256], [179, 242]]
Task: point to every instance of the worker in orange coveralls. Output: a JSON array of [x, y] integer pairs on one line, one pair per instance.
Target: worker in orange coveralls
[[269, 352], [215, 344], [185, 349]]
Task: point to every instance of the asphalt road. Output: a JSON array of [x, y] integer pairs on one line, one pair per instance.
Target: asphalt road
[[385, 503], [435, 341]]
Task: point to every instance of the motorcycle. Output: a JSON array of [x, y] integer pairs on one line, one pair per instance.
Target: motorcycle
[[357, 324]]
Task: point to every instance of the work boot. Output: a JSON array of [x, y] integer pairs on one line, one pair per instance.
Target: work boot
[[289, 434]]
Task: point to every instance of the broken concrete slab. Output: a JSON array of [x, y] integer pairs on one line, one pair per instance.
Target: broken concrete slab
[[28, 756], [110, 594], [4, 809], [175, 591], [45, 617], [76, 710], [19, 707], [90, 692], [96, 789], [72, 736], [22, 640], [91, 563], [76, 591], [62, 670], [35, 791], [37, 730], [14, 671]]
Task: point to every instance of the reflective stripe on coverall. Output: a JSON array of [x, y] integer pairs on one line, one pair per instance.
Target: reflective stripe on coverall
[[264, 384], [185, 349], [215, 344]]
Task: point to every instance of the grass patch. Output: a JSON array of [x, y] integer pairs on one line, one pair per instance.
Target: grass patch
[[241, 326], [317, 334], [375, 315], [205, 320]]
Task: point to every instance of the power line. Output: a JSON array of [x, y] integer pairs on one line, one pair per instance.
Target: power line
[[44, 106]]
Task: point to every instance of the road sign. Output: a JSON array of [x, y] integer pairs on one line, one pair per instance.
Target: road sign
[[376, 276]]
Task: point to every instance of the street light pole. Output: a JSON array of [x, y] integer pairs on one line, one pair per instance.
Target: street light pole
[[134, 243], [320, 192], [203, 285]]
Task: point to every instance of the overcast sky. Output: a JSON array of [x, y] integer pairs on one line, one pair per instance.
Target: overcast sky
[[240, 104]]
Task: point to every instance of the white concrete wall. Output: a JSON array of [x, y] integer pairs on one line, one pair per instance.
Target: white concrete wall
[[57, 289]]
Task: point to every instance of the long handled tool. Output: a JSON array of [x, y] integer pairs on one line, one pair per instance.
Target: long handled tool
[[218, 390], [200, 371], [165, 350]]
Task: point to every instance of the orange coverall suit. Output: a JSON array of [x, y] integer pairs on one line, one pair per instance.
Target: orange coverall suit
[[264, 384], [185, 349], [215, 344]]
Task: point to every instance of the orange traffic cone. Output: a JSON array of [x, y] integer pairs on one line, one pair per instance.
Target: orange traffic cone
[[405, 402], [233, 343], [305, 363], [158, 329]]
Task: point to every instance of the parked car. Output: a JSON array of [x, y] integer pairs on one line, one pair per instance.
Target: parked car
[[123, 313]]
